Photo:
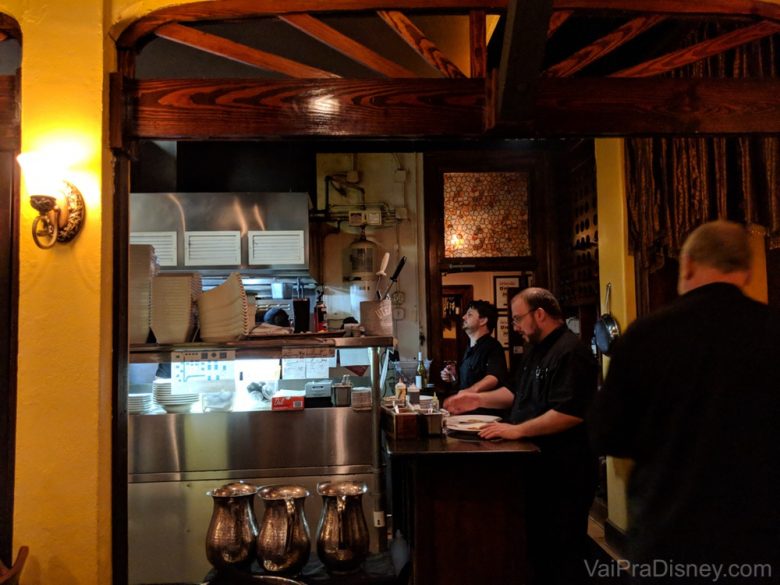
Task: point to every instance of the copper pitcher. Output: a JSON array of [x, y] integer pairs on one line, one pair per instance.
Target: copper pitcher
[[342, 534], [232, 533], [284, 543]]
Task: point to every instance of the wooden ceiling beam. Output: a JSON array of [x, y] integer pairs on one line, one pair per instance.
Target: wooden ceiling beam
[[760, 8], [128, 34], [478, 43], [187, 109], [604, 107], [603, 46], [197, 109], [228, 49], [699, 51], [337, 41], [525, 37], [421, 44], [239, 9], [557, 18]]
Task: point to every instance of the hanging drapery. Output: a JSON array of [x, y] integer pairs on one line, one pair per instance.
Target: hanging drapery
[[675, 184]]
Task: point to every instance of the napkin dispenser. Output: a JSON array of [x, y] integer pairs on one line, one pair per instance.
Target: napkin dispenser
[[321, 389]]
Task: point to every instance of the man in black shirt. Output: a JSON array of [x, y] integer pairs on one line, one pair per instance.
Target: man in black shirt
[[551, 394], [692, 395], [484, 365]]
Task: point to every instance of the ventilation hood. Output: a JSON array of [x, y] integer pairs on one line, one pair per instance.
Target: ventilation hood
[[256, 234]]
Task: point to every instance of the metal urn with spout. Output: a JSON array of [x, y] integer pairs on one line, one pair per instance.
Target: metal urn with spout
[[232, 533], [342, 534], [284, 543]]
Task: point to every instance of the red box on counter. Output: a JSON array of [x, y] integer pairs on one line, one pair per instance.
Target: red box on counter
[[288, 400]]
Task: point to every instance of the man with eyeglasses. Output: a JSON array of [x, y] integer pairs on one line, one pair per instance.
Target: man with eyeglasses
[[551, 393], [483, 366]]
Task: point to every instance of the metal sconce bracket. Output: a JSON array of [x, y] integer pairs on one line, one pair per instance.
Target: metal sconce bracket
[[57, 224]]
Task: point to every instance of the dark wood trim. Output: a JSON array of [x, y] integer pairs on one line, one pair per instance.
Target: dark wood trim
[[234, 109], [9, 303], [603, 107], [525, 37], [603, 46], [121, 149], [10, 132], [119, 514], [557, 19], [222, 47], [348, 47], [10, 120], [478, 43], [702, 50], [761, 8], [9, 27], [237, 9], [615, 538], [419, 43]]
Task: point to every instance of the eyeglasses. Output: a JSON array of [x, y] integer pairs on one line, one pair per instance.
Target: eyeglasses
[[517, 318]]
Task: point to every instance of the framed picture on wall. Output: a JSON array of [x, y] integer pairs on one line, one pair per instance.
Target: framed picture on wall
[[502, 330], [501, 286]]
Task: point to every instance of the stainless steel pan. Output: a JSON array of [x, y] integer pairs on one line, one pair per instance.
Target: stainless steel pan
[[607, 329]]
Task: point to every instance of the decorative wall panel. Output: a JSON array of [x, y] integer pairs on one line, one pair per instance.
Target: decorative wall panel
[[486, 215]]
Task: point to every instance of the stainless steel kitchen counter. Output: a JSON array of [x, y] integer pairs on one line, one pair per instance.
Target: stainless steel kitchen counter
[[313, 441]]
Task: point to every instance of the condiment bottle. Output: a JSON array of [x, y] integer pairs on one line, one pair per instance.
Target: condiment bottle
[[413, 394], [400, 391]]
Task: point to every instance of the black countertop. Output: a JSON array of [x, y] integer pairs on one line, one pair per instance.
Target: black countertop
[[454, 444]]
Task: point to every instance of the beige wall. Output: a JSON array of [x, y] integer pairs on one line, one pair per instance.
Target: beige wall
[[382, 184]]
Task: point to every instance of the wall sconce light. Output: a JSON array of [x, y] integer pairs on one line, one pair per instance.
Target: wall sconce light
[[57, 222], [59, 203]]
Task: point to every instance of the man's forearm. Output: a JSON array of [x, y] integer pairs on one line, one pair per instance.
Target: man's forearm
[[489, 382], [549, 423], [499, 398]]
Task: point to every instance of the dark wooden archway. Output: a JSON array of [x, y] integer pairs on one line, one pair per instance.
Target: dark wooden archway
[[563, 68], [9, 279]]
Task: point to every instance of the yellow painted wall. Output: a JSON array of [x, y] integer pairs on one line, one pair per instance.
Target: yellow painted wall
[[615, 266], [63, 443]]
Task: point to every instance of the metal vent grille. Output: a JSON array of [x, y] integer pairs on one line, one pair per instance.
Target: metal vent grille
[[164, 244], [219, 248], [276, 247]]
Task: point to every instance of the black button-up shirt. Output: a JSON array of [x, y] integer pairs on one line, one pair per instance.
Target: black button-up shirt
[[557, 373], [485, 357]]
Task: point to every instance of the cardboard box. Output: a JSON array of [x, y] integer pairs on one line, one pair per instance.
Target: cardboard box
[[288, 400]]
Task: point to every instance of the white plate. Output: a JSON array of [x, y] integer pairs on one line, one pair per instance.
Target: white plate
[[469, 423]]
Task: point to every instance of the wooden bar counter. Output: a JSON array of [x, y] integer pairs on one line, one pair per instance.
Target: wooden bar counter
[[461, 503]]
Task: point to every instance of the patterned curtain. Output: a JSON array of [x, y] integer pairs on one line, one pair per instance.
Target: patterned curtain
[[675, 184]]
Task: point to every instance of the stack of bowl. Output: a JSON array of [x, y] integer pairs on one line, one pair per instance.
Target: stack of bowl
[[173, 403]]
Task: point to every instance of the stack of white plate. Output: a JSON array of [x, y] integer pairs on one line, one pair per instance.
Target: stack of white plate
[[173, 297], [143, 266], [223, 311], [139, 403], [169, 401]]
